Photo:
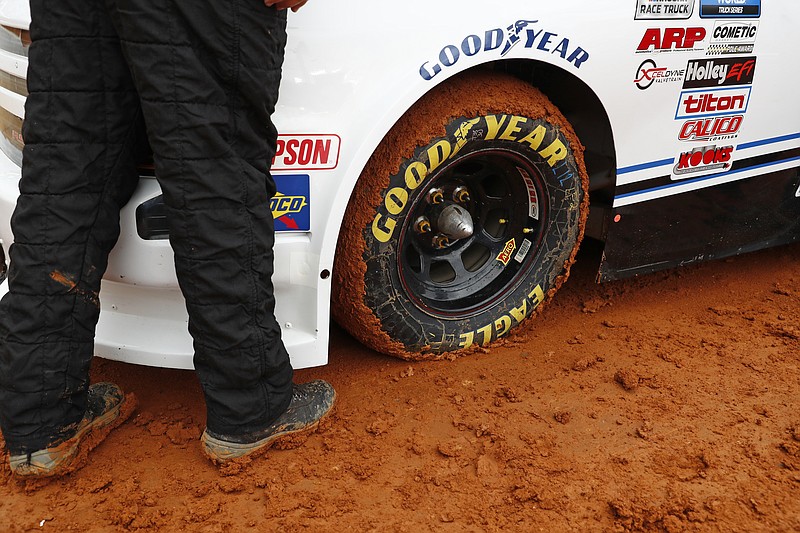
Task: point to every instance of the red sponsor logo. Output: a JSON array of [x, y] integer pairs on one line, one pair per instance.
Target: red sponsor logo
[[505, 256], [711, 128], [666, 39], [306, 152], [704, 159]]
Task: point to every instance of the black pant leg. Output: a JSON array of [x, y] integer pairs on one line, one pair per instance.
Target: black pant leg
[[78, 170], [208, 74]]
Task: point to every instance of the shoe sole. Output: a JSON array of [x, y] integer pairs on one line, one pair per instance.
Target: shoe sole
[[286, 440], [84, 441]]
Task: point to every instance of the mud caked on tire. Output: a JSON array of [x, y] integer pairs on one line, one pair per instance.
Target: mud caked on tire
[[465, 220]]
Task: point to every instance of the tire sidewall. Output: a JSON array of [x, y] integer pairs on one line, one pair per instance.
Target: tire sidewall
[[545, 148]]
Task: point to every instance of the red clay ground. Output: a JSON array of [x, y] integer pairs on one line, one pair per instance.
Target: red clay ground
[[664, 403]]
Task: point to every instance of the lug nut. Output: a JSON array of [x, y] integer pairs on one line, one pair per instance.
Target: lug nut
[[440, 241], [502, 221], [527, 230], [422, 225], [461, 195], [436, 196]]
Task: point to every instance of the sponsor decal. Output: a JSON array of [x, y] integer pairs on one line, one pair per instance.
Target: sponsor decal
[[671, 39], [733, 37], [711, 103], [499, 327], [719, 72], [664, 9], [290, 205], [524, 248], [306, 152], [536, 135], [703, 160], [711, 129], [533, 198], [649, 73], [505, 256], [730, 8], [526, 33]]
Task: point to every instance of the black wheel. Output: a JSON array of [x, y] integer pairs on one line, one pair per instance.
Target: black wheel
[[464, 222]]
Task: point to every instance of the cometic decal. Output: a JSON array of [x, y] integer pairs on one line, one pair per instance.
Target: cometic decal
[[290, 205], [664, 9], [733, 37], [306, 152], [526, 33]]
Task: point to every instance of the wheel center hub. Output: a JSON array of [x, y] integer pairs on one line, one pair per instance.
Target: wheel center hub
[[455, 222]]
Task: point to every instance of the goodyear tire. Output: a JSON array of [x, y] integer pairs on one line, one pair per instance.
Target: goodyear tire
[[486, 151]]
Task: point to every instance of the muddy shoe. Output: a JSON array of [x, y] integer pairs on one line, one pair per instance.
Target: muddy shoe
[[311, 402], [107, 408]]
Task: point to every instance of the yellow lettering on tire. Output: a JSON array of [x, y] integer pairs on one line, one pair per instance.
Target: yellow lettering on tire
[[535, 138], [536, 296], [502, 325], [438, 153], [554, 153], [416, 174], [383, 233], [513, 128], [487, 334], [467, 339], [396, 200], [493, 125], [519, 313]]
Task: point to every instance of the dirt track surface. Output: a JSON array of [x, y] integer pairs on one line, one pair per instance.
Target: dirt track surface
[[664, 403]]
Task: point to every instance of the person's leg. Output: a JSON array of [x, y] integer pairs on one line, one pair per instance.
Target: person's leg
[[208, 74], [78, 170]]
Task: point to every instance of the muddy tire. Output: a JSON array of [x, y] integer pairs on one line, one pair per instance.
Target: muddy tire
[[464, 222]]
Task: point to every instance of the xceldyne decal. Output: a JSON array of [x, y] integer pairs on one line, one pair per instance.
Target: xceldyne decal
[[525, 33]]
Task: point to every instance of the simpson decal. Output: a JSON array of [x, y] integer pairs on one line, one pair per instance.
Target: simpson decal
[[664, 9], [306, 152], [290, 205]]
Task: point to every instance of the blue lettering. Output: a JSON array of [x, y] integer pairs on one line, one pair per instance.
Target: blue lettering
[[449, 60], [471, 45]]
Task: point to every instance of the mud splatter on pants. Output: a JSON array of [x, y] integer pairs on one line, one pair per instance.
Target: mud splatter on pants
[[204, 77]]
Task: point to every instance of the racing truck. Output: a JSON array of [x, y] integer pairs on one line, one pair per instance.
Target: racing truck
[[439, 164]]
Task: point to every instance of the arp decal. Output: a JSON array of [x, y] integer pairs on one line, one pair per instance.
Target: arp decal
[[730, 8], [733, 37], [290, 206], [649, 73], [306, 152], [711, 103], [720, 72], [663, 9], [711, 129], [525, 32], [671, 39], [703, 160]]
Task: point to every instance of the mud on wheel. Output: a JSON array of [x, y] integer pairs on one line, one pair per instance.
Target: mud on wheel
[[464, 222]]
